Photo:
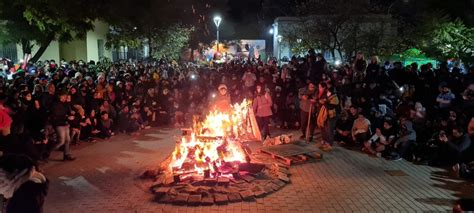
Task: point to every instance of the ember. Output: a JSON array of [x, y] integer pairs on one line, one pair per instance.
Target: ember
[[213, 147]]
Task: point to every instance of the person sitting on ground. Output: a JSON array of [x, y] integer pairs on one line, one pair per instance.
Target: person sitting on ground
[[86, 127], [382, 138], [360, 129], [105, 125], [405, 141], [343, 129], [452, 149]]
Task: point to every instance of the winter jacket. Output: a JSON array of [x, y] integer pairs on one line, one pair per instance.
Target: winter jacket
[[262, 106], [409, 135]]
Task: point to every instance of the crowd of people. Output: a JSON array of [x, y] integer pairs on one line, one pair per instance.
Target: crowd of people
[[418, 113]]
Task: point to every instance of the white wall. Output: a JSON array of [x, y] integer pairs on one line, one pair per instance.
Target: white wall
[[99, 32], [52, 52]]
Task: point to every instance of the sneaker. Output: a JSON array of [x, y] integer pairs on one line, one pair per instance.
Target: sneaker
[[397, 158], [69, 158]]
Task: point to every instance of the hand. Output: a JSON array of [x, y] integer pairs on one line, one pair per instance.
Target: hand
[[304, 97], [378, 132], [313, 100]]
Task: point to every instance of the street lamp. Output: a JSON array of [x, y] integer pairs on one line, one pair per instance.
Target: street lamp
[[271, 31], [279, 39], [217, 21]]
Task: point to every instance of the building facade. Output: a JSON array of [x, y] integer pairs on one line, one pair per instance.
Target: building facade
[[92, 47]]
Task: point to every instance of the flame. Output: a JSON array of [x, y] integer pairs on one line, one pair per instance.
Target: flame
[[214, 144]]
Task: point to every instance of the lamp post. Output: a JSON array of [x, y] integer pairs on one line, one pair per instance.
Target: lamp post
[[217, 21], [279, 39]]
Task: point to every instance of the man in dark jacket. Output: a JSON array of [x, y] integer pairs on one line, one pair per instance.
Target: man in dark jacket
[[59, 119], [453, 149]]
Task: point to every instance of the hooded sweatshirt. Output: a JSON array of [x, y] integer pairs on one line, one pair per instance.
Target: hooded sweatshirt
[[409, 135]]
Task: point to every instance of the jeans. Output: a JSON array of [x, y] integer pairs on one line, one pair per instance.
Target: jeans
[[63, 138], [263, 123], [327, 132]]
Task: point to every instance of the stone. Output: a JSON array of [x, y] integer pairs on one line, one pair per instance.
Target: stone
[[259, 193], [268, 188], [279, 183], [210, 181], [283, 177], [223, 181], [161, 190], [207, 200], [274, 186], [166, 199], [247, 195], [181, 199], [247, 178], [234, 197], [283, 170], [194, 200], [221, 199]]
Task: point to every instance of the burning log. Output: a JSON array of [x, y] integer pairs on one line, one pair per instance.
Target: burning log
[[211, 165]]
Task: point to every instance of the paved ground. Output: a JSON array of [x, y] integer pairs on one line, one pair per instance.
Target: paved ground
[[104, 179]]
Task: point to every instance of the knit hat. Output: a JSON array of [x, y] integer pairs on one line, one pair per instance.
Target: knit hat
[[222, 86]]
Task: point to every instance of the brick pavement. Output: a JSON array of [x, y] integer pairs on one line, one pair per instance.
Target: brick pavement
[[104, 179]]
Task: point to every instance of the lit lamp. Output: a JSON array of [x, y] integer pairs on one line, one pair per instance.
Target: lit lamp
[[217, 21], [279, 39]]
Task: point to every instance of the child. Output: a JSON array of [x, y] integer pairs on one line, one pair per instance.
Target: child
[[86, 127], [105, 126]]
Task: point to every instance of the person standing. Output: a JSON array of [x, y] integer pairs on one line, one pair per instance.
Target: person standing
[[307, 97], [327, 117], [359, 66], [262, 106], [59, 119]]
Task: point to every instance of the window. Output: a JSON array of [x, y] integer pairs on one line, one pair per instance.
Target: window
[[100, 48]]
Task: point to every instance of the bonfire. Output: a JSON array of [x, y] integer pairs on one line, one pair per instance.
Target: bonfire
[[213, 147]]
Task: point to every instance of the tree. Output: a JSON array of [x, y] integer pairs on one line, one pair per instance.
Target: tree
[[441, 38], [30, 22], [151, 20], [171, 42]]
